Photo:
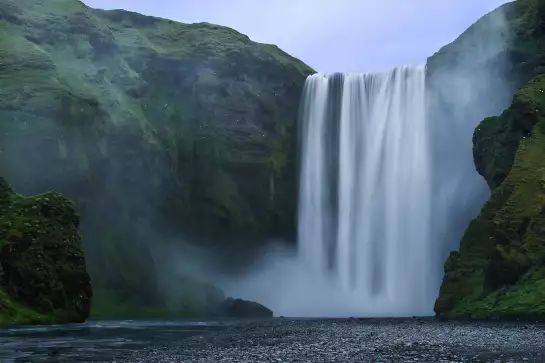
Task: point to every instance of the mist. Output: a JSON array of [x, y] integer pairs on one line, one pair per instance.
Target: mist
[[286, 284]]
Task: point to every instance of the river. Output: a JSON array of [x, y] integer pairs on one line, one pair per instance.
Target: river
[[93, 341]]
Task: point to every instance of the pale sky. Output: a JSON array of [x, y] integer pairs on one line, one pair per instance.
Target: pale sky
[[331, 35]]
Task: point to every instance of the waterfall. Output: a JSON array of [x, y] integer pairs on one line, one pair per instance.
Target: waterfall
[[365, 205]]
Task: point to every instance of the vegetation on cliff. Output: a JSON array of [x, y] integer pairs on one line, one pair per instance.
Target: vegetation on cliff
[[500, 267], [43, 277], [148, 125]]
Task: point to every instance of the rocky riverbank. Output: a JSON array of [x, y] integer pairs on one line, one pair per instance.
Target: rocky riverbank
[[355, 340]]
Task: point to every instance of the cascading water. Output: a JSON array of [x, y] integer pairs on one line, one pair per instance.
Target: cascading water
[[365, 198]]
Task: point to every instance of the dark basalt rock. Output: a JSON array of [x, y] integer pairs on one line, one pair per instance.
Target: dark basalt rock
[[238, 308]]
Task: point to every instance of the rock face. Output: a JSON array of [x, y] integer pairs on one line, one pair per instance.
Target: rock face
[[43, 277], [499, 269], [238, 308], [150, 125]]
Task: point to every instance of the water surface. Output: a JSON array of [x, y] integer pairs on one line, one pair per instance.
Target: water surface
[[93, 341]]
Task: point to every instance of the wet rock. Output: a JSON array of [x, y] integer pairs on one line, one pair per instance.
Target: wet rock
[[239, 308]]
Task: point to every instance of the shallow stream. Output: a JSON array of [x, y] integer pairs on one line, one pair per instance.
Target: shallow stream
[[93, 341]]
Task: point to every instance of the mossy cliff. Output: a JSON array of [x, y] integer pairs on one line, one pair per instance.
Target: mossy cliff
[[499, 269], [148, 125], [43, 277]]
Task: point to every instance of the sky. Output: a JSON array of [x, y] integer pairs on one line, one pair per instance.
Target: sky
[[331, 35]]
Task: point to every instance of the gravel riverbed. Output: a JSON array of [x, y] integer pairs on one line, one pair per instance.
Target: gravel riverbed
[[358, 340]]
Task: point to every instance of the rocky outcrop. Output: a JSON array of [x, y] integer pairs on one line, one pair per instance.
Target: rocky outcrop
[[43, 277], [499, 268], [238, 308], [151, 125]]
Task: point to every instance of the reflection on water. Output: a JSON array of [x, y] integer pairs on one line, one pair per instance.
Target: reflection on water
[[94, 341]]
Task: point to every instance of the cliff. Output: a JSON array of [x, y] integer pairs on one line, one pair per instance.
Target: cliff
[[499, 269], [154, 128], [43, 277]]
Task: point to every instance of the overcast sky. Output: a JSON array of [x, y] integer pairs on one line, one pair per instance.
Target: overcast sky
[[331, 35]]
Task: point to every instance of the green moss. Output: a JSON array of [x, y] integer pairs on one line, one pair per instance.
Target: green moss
[[496, 139], [41, 259], [501, 263], [522, 299], [13, 313]]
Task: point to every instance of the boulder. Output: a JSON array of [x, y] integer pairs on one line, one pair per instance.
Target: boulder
[[238, 308]]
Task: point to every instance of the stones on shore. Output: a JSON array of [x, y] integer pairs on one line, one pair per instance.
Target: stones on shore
[[354, 341]]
